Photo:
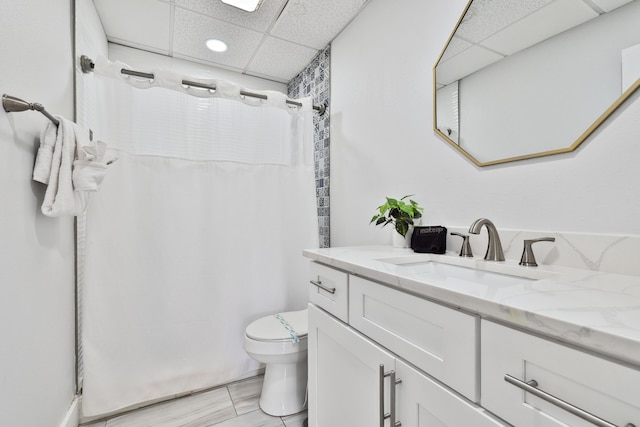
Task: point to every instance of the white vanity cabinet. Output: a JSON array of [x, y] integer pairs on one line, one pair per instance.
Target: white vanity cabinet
[[467, 352], [347, 372], [438, 339], [581, 381], [358, 381]]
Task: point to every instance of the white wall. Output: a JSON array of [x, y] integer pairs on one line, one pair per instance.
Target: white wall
[[630, 66], [382, 143], [36, 252]]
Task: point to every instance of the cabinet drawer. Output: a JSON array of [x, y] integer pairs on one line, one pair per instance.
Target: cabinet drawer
[[329, 290], [437, 339], [603, 388]]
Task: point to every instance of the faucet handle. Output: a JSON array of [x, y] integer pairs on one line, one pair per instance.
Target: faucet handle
[[528, 259], [465, 250]]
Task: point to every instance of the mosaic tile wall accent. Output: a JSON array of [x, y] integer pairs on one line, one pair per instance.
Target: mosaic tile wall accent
[[315, 81]]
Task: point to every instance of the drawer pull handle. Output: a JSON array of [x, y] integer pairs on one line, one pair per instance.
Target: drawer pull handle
[[319, 284], [391, 415], [530, 387]]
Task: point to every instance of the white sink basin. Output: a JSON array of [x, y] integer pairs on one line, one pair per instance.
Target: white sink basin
[[446, 268]]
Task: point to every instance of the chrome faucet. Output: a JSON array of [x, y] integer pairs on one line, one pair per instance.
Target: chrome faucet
[[494, 247], [528, 259]]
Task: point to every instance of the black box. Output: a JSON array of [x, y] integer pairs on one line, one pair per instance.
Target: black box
[[430, 239]]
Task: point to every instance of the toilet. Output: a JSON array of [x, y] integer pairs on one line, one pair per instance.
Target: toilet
[[280, 342]]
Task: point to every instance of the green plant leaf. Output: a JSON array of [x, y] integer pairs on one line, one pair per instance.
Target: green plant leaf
[[384, 208], [402, 228], [398, 213], [409, 210]]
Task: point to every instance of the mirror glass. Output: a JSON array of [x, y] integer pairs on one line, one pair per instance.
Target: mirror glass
[[530, 78]]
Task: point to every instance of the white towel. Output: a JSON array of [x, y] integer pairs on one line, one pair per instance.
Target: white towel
[[71, 165], [55, 159], [42, 169], [90, 168]]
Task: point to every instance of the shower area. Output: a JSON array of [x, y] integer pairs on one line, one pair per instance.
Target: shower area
[[199, 225]]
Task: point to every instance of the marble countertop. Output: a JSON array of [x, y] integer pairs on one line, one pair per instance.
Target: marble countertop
[[593, 310]]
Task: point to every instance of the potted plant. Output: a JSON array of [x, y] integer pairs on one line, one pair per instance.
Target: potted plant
[[398, 213]]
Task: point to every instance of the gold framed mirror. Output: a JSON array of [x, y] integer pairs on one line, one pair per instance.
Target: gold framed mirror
[[532, 78]]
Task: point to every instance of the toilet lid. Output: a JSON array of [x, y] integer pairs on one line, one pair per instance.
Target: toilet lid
[[288, 326]]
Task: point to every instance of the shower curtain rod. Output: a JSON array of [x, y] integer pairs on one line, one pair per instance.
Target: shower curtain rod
[[87, 65], [12, 104]]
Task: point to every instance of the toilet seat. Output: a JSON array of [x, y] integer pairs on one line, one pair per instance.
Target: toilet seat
[[289, 326], [279, 341]]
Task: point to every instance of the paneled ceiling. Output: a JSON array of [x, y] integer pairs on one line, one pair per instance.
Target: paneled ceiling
[[494, 29], [275, 42]]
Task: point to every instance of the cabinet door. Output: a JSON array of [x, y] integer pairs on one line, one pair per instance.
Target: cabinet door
[[344, 375], [421, 402], [438, 340], [603, 388]]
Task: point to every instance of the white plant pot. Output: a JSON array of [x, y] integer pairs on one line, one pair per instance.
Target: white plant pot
[[398, 241]]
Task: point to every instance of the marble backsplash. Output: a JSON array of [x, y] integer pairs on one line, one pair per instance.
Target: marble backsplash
[[595, 252]]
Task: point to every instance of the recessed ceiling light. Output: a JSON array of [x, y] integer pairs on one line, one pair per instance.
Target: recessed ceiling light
[[216, 45], [248, 5]]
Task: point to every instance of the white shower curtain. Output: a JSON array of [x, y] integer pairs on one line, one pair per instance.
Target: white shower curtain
[[196, 231]]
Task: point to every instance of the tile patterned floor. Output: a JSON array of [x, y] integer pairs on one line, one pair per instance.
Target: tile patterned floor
[[235, 405]]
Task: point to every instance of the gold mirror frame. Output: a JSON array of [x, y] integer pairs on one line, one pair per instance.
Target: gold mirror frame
[[601, 119]]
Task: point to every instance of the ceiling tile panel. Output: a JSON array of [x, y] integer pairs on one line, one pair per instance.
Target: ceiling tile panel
[[259, 20], [192, 30], [139, 23], [455, 46], [465, 63], [315, 23], [609, 5], [179, 28], [496, 15], [280, 59], [546, 22]]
